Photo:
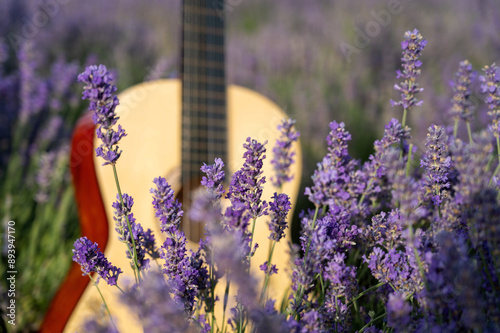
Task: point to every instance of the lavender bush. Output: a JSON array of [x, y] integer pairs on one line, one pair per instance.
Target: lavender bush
[[288, 50], [389, 246]]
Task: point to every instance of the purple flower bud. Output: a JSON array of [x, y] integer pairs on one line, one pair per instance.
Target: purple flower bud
[[283, 157], [91, 259]]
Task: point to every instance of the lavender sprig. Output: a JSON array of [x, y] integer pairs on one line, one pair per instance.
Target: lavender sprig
[[99, 90], [214, 178], [462, 107], [283, 156], [144, 242], [437, 163], [412, 46], [91, 259], [167, 208]]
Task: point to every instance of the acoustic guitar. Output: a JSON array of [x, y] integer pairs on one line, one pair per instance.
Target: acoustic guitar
[[173, 128]]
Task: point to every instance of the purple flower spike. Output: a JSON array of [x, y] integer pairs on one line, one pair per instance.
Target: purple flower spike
[[398, 310], [334, 174], [91, 259], [214, 178], [437, 163], [490, 86], [144, 241], [99, 90], [283, 157], [412, 46], [462, 105], [167, 208], [279, 210], [247, 184]]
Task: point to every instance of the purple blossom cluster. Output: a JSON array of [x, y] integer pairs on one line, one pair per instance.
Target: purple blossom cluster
[[214, 178], [462, 107], [437, 164], [279, 208], [144, 241], [283, 156], [91, 259], [246, 183], [100, 91], [167, 208], [334, 174], [490, 86], [412, 47]]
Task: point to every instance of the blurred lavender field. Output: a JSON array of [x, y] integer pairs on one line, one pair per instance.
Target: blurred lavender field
[[289, 50]]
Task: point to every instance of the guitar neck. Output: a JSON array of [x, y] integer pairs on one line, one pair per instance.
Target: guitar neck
[[204, 134]]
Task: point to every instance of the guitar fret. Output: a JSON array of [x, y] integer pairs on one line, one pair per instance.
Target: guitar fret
[[203, 30], [204, 79], [216, 96], [204, 63], [195, 38], [202, 46], [201, 136]]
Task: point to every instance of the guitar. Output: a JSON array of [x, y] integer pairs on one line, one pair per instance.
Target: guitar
[[173, 128]]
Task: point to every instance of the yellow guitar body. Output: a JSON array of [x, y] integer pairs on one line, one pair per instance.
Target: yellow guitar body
[[150, 113]]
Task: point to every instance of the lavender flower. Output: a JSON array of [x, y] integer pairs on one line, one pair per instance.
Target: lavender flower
[[453, 285], [100, 91], [246, 183], [214, 178], [334, 173], [396, 267], [91, 259], [489, 86], [167, 208], [280, 206], [398, 311], [33, 90], [412, 46], [153, 305], [283, 157], [437, 164], [462, 105], [144, 241], [179, 269]]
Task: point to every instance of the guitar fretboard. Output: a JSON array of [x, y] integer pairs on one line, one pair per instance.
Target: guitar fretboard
[[204, 86], [204, 134]]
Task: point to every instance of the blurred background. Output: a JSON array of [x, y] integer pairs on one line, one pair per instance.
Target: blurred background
[[318, 60]]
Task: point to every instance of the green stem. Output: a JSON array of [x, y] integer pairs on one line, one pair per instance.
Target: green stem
[[364, 192], [102, 297], [409, 160], [372, 321], [134, 251], [300, 290], [365, 292], [266, 279], [455, 128], [251, 242], [403, 123], [470, 132], [226, 296]]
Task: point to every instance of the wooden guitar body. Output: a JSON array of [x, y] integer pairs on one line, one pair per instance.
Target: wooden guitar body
[[151, 115]]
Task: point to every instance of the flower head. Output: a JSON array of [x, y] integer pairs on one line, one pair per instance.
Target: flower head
[[214, 178], [91, 259], [462, 105], [490, 86], [103, 102], [279, 207], [247, 183], [437, 164], [167, 208], [412, 46], [283, 157]]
